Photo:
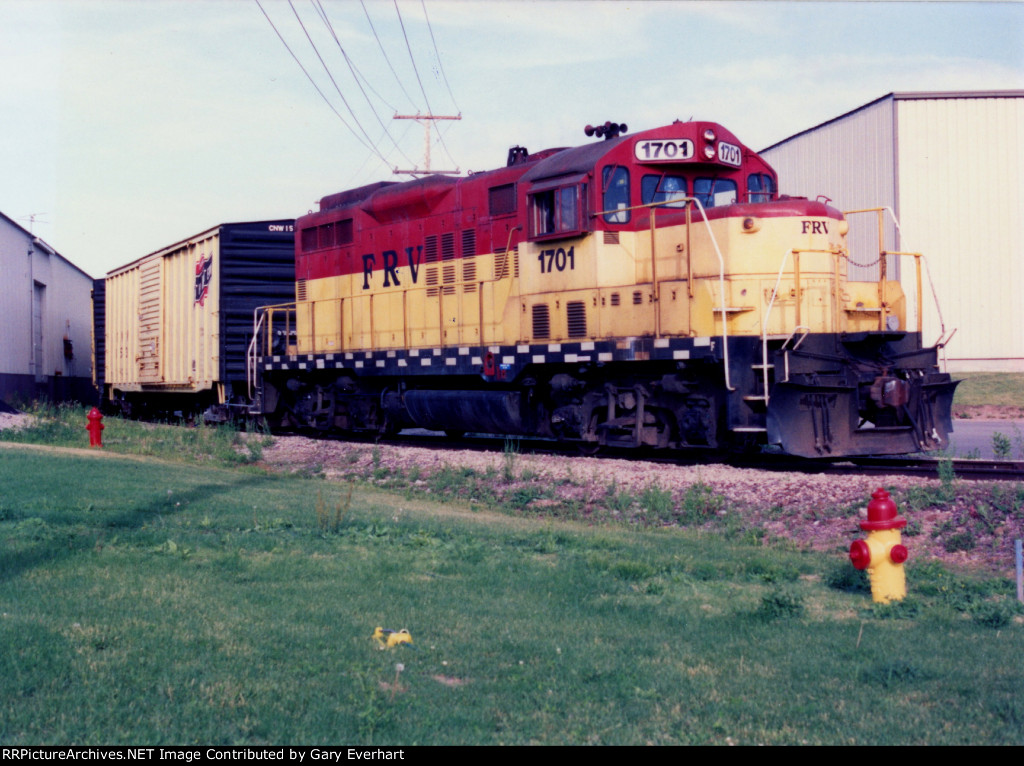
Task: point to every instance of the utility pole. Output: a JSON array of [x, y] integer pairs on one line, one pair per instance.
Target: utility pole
[[426, 119]]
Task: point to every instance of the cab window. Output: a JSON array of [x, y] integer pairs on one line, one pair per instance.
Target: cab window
[[555, 211], [667, 189], [615, 182], [760, 187], [714, 192]]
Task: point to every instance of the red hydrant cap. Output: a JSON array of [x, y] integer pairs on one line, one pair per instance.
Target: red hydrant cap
[[94, 414], [860, 554], [899, 554], [882, 513]]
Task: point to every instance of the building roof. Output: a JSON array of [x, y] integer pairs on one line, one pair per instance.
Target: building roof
[[42, 244], [905, 96]]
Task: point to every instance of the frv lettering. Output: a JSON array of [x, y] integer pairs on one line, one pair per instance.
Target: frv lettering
[[389, 258], [814, 227]]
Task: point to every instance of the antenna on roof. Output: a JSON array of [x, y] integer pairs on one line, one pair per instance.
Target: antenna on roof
[[31, 218]]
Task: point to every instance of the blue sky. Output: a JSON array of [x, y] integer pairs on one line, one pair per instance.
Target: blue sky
[[128, 125]]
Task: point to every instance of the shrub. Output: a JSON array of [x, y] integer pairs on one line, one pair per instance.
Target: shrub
[[780, 602]]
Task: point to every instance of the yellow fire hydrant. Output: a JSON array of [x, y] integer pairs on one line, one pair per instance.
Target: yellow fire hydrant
[[882, 553]]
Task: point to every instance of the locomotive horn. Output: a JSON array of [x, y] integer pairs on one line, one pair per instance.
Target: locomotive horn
[[607, 131]]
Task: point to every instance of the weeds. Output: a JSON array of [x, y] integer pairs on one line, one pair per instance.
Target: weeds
[[1002, 448], [780, 603], [328, 521], [842, 576], [920, 497], [616, 501], [700, 503], [994, 614], [963, 540], [892, 674], [657, 502], [511, 454], [947, 479]]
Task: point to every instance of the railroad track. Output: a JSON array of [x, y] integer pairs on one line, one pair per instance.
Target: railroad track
[[990, 470]]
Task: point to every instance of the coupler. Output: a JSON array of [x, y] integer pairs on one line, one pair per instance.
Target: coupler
[[882, 553]]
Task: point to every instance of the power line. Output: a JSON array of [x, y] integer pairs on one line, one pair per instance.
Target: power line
[[437, 53], [411, 58], [385, 54], [333, 81], [313, 83], [430, 111], [356, 76]]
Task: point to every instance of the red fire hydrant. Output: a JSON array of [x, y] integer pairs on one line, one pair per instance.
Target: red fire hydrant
[[95, 428], [882, 553]]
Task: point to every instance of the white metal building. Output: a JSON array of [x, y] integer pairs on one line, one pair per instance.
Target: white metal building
[[46, 316], [950, 167]]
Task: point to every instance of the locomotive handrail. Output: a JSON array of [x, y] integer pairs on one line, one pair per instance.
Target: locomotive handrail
[[250, 353], [262, 312], [918, 259], [766, 315], [258, 315], [837, 255], [654, 269]]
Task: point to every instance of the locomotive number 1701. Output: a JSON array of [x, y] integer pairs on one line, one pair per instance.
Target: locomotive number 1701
[[557, 260], [664, 150]]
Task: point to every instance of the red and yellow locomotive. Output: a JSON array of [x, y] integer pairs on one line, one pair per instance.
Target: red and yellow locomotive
[[648, 289]]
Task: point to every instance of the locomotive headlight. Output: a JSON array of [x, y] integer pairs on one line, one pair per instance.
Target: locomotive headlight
[[709, 136], [750, 225], [709, 152]]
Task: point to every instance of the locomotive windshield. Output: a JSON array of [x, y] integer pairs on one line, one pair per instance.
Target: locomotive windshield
[[715, 192], [663, 188]]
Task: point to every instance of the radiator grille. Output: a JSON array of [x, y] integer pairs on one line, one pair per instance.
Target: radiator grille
[[469, 275], [448, 246], [576, 316], [468, 242], [541, 321]]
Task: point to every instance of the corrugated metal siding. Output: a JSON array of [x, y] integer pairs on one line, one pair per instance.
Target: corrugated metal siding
[[99, 332], [122, 326], [44, 306], [961, 196], [15, 302], [257, 269], [150, 319], [851, 161]]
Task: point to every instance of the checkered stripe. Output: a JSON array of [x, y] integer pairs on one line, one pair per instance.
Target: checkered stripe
[[469, 360]]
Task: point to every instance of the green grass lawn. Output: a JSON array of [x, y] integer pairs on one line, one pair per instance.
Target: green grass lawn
[[148, 601], [1000, 389]]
